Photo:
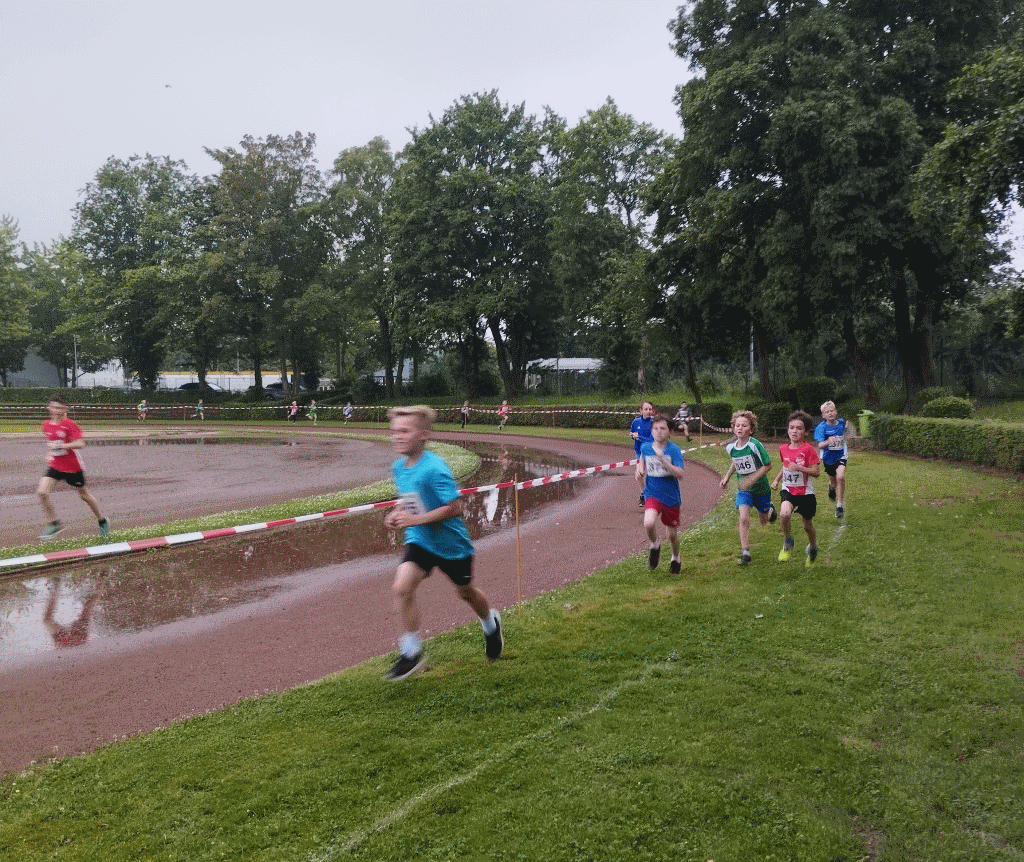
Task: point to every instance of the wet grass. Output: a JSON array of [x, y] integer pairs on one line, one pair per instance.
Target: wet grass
[[870, 708]]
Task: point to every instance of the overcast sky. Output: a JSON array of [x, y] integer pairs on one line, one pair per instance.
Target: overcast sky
[[83, 81]]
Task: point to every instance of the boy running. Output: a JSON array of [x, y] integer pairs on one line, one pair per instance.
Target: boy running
[[429, 509], [831, 437], [142, 408], [312, 411], [63, 439], [640, 431], [683, 416], [346, 411], [799, 465], [661, 468], [502, 415], [750, 463]]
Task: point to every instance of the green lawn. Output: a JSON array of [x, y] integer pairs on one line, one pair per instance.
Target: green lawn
[[868, 709]]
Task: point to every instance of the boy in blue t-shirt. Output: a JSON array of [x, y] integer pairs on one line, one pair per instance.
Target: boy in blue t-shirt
[[661, 467], [429, 509], [640, 431], [831, 437]]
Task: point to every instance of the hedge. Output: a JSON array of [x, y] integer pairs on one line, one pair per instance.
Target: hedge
[[989, 443], [948, 407]]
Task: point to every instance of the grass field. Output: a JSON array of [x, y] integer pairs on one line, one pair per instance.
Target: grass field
[[870, 708]]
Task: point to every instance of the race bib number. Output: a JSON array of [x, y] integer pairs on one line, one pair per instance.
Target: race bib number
[[793, 478], [744, 464], [836, 442], [412, 503], [654, 466]]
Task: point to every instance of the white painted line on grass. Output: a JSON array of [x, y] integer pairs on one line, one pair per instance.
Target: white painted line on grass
[[837, 535], [407, 808]]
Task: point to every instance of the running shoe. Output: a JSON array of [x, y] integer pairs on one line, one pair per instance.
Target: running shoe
[[641, 501], [675, 567], [774, 515], [51, 531], [831, 492], [787, 550], [653, 556], [495, 640], [839, 511], [104, 528], [744, 559], [812, 556], [405, 667]]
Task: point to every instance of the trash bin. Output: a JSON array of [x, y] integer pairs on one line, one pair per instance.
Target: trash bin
[[864, 421]]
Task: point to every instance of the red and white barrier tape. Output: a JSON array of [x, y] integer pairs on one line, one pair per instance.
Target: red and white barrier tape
[[202, 535], [707, 424]]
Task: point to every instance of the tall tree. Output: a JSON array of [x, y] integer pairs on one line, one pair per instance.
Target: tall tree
[[270, 240], [790, 192], [15, 322], [601, 233], [57, 274], [969, 180], [470, 231], [129, 227], [361, 276]]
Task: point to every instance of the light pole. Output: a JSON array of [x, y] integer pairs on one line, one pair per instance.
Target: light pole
[[74, 371]]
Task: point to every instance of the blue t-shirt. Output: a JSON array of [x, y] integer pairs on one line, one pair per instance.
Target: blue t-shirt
[[836, 436], [642, 427], [661, 484], [422, 488]]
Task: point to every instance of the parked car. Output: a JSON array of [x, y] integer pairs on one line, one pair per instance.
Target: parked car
[[275, 392], [278, 390], [212, 387]]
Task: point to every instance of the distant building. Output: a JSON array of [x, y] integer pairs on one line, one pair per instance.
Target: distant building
[[36, 372], [563, 374]]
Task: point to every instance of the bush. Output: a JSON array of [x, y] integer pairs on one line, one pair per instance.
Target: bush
[[717, 414], [812, 392], [772, 419], [986, 442], [948, 407], [930, 393]]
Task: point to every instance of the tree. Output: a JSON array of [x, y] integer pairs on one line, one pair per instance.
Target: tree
[[361, 278], [470, 230], [968, 181], [56, 274], [601, 234], [15, 324], [790, 194], [270, 241], [129, 228]]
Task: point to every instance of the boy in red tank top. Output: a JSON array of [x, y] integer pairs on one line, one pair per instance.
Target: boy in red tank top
[[800, 464], [63, 440]]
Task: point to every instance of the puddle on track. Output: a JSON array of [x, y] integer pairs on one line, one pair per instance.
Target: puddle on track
[[140, 592]]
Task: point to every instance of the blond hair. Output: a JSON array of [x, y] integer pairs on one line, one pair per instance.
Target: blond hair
[[424, 414], [831, 404], [750, 417]]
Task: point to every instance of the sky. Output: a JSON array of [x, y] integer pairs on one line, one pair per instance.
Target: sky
[[82, 80]]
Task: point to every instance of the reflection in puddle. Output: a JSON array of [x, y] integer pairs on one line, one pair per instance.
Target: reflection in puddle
[[141, 592]]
